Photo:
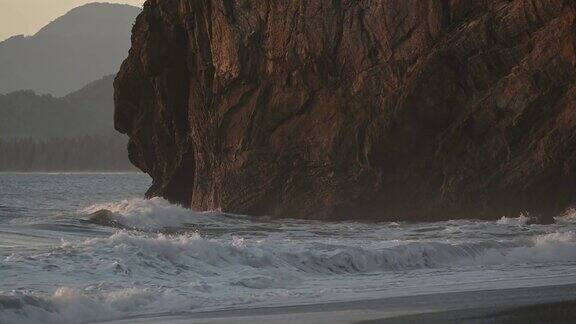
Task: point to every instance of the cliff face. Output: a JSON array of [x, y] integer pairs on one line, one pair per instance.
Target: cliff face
[[379, 110]]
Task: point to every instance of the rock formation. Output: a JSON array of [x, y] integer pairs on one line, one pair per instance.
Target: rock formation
[[355, 109]]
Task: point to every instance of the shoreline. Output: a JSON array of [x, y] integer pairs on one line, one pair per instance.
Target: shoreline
[[557, 312], [501, 306]]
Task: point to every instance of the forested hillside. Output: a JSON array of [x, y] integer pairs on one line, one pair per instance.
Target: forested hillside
[[86, 153], [72, 133], [88, 111]]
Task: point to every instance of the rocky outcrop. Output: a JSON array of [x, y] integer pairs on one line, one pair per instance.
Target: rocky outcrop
[[377, 110]]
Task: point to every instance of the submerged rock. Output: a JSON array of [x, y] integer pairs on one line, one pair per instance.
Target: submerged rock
[[104, 217], [377, 110]]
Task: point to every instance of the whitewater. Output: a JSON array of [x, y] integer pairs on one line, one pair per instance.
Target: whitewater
[[57, 267]]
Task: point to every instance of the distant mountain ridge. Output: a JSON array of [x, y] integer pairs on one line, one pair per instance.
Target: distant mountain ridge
[[85, 44], [88, 111]]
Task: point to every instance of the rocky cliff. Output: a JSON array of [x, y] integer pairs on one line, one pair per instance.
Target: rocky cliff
[[336, 109]]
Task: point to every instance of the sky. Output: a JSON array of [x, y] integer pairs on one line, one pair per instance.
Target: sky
[[28, 16]]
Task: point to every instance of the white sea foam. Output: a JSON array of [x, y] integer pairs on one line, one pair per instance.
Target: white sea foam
[[147, 214], [568, 217], [545, 248], [520, 220], [212, 256], [69, 305], [218, 272]]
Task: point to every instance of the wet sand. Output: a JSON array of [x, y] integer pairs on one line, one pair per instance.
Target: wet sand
[[559, 312], [551, 304]]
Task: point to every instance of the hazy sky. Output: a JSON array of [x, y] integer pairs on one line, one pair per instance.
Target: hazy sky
[[28, 16]]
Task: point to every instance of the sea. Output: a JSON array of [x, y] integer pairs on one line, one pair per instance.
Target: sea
[[161, 259]]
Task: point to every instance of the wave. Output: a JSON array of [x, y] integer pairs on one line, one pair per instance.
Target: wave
[[202, 255], [68, 305], [211, 272], [145, 214], [544, 248], [193, 252], [520, 220], [206, 256], [568, 217]]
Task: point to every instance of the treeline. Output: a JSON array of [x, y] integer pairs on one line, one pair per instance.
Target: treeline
[[86, 153]]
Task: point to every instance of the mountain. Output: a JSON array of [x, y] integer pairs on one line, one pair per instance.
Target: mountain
[[96, 101], [85, 44], [71, 133], [374, 110], [88, 111]]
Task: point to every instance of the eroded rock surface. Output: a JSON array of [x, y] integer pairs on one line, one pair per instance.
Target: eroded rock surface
[[376, 110]]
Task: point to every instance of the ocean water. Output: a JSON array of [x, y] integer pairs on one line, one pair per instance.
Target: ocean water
[[55, 267]]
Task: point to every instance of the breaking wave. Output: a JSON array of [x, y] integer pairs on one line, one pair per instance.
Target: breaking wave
[[568, 217], [203, 254], [147, 214], [68, 305], [200, 254], [520, 220], [208, 267]]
